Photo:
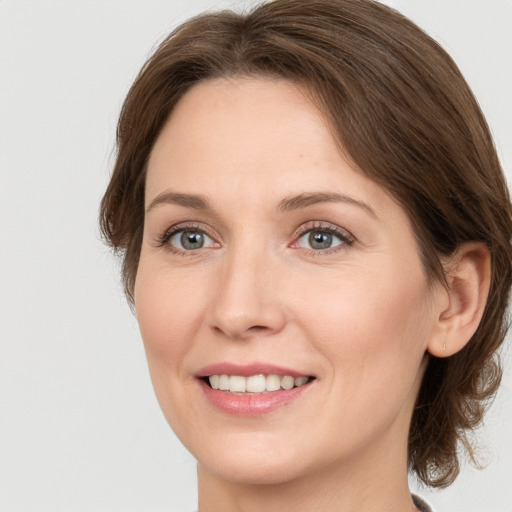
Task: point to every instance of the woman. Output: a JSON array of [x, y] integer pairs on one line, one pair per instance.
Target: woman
[[315, 233]]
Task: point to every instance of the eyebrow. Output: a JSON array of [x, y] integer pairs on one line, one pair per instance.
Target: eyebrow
[[291, 203], [187, 200], [309, 199]]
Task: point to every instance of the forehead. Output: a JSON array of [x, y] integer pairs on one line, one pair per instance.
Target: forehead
[[239, 135], [245, 119]]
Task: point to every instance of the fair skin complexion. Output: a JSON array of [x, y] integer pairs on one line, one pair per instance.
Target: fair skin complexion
[[263, 246]]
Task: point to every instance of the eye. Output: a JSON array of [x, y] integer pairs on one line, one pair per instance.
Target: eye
[[190, 240], [323, 238], [319, 240]]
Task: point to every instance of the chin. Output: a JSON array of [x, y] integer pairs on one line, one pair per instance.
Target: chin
[[253, 462], [253, 472]]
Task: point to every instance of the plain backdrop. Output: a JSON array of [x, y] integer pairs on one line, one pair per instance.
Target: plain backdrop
[[80, 429]]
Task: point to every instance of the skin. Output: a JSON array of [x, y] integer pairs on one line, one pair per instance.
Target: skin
[[359, 317]]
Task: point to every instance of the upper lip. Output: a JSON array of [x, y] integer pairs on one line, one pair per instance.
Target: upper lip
[[246, 370]]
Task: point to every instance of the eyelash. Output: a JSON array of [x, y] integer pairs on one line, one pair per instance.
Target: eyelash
[[163, 240], [344, 236]]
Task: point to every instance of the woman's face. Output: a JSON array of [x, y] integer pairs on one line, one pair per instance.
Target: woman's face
[[266, 257]]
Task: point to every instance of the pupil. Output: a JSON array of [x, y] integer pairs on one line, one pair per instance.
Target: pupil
[[192, 240], [320, 240]]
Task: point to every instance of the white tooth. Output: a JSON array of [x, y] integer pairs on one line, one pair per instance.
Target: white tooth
[[214, 381], [224, 383], [236, 384], [300, 381], [287, 382], [256, 383], [273, 383]]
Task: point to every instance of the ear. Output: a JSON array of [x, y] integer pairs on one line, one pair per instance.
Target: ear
[[468, 276]]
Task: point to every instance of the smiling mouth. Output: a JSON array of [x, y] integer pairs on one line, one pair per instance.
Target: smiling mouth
[[255, 384]]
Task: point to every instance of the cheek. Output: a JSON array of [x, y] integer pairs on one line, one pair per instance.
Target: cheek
[[372, 327], [372, 332], [364, 304], [167, 317], [169, 308]]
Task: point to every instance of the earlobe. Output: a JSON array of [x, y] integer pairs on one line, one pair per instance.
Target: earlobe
[[468, 277]]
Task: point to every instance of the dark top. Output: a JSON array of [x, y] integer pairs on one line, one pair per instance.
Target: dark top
[[420, 504]]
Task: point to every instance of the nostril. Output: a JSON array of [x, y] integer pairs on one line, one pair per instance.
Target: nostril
[[242, 333]]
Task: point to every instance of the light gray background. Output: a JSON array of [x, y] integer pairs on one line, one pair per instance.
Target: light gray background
[[80, 429]]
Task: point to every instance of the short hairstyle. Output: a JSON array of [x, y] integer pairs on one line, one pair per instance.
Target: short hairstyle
[[402, 112]]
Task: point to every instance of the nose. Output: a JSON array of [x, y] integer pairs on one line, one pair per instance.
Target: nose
[[246, 302]]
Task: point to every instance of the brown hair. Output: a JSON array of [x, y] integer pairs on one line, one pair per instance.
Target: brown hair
[[402, 111]]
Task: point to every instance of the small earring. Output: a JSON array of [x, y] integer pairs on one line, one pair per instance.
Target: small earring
[[444, 345]]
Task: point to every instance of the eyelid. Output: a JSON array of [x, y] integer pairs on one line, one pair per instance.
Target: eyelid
[[347, 238], [163, 239]]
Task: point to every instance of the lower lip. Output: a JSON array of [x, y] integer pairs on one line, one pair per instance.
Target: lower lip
[[251, 405]]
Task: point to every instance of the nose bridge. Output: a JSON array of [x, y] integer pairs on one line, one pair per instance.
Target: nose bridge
[[246, 302]]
